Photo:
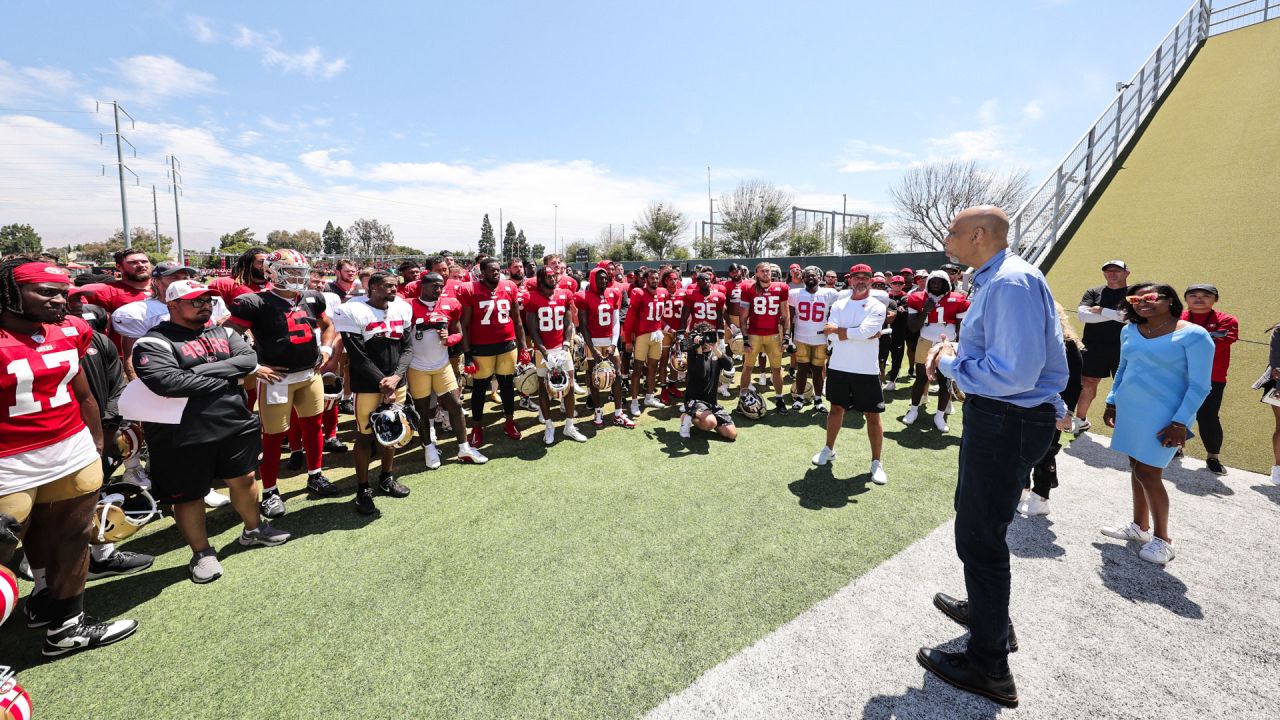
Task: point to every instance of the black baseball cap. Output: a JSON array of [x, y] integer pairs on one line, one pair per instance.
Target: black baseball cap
[[1206, 287], [168, 267]]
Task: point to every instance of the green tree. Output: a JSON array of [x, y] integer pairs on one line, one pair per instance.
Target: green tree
[[333, 241], [808, 241], [680, 252], [369, 237], [487, 243], [522, 246], [659, 228], [704, 248], [243, 236], [571, 251], [537, 250], [617, 247], [394, 249], [755, 214], [865, 238], [18, 239], [141, 238], [509, 242], [304, 241]]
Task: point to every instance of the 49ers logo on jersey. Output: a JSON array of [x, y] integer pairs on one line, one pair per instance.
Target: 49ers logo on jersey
[[203, 347]]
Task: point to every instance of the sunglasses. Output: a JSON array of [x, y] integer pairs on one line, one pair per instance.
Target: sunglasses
[[1150, 297], [201, 302]]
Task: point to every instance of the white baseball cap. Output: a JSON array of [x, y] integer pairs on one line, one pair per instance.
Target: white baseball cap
[[187, 290]]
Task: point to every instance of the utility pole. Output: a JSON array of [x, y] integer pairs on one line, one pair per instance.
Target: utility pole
[[155, 215], [176, 181], [555, 229], [120, 166], [711, 210]]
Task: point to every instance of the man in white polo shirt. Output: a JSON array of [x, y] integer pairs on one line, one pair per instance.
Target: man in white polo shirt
[[853, 370]]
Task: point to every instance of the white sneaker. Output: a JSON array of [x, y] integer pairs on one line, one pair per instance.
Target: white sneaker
[[215, 499], [878, 475], [1128, 532], [723, 390], [431, 432], [798, 405], [468, 454], [818, 406], [889, 386], [685, 424], [951, 407], [652, 402], [571, 432], [940, 421], [433, 457], [824, 456], [1079, 425], [549, 437], [635, 408], [1275, 474], [1034, 505], [913, 412], [1157, 551], [580, 389]]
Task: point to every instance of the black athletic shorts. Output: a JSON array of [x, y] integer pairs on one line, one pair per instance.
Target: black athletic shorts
[[854, 391], [1100, 361], [184, 474], [696, 407]]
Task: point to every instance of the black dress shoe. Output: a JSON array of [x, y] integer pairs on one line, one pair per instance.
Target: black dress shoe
[[958, 610], [954, 669]]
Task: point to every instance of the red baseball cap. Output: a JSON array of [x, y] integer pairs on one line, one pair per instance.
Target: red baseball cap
[[905, 272], [860, 268], [896, 278]]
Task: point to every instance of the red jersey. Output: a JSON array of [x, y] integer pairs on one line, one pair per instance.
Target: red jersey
[[704, 308], [492, 311], [530, 284], [732, 291], [551, 314], [228, 288], [674, 309], [444, 308], [602, 311], [408, 291], [764, 306], [39, 407], [1225, 330], [646, 312], [946, 313]]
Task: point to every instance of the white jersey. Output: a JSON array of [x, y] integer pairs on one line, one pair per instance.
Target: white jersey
[[135, 319], [862, 320], [429, 351], [367, 321], [811, 313]]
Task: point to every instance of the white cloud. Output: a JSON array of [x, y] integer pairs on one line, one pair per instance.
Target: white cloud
[[987, 145], [150, 78], [311, 62], [863, 157], [249, 137], [202, 29], [862, 166], [321, 162], [34, 82], [1033, 110]]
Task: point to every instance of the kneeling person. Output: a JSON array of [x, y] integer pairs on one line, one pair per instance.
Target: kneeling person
[[218, 438], [706, 362], [376, 335]]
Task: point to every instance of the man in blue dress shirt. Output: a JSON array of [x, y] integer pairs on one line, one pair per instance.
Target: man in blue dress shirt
[[1011, 365]]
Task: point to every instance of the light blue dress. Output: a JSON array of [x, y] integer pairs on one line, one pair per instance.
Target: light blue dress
[[1161, 380]]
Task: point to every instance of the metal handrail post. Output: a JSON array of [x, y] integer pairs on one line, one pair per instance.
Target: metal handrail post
[[1057, 207], [1156, 90], [1088, 164], [1115, 143]]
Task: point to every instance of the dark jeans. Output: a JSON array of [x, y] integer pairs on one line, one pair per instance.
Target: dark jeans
[[1000, 444], [1207, 418]]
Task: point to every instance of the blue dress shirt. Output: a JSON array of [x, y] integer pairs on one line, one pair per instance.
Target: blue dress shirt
[[1010, 344]]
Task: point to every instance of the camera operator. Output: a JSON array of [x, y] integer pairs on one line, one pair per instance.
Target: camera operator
[[706, 362]]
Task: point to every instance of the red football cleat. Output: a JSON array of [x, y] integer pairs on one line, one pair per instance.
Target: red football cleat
[[624, 421], [476, 438], [665, 396], [512, 431], [675, 392]]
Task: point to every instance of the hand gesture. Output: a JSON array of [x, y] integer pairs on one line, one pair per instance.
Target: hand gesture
[[1173, 435], [1109, 416]]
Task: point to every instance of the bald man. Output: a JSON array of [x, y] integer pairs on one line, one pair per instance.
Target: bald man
[[1011, 365]]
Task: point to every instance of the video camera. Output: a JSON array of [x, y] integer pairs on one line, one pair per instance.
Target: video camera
[[693, 341]]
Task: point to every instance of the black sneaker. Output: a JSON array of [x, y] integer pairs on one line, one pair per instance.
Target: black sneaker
[[37, 609], [780, 406], [389, 485], [318, 484], [272, 505], [120, 562], [1215, 466], [83, 633], [364, 502], [297, 461], [347, 407], [334, 445]]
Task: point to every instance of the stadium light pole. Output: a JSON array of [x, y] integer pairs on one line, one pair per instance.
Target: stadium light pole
[[555, 228]]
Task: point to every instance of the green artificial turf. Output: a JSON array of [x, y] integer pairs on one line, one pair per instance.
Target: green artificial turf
[[1196, 201], [579, 581]]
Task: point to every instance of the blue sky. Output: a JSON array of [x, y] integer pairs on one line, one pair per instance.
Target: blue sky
[[427, 115]]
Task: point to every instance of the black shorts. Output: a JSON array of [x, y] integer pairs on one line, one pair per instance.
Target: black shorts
[[696, 407], [1100, 361], [184, 474], [854, 391]]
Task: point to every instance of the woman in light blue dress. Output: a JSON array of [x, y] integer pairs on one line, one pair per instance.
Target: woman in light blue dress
[[1165, 365]]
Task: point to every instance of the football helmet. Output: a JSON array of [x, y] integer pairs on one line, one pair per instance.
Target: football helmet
[[390, 425], [332, 386], [8, 593], [736, 345], [15, 703], [751, 404], [123, 508], [559, 373], [602, 377], [527, 380], [411, 413], [579, 349], [129, 441], [679, 360], [288, 269], [728, 376]]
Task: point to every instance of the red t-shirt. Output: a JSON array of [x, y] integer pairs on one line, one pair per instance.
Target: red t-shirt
[[1225, 330], [646, 313], [602, 311], [492, 311], [764, 306], [551, 314], [706, 308], [39, 406]]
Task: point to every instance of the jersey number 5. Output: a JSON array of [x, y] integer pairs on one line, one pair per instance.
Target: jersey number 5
[[25, 402], [300, 331]]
